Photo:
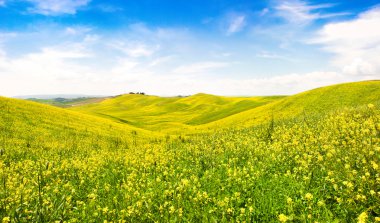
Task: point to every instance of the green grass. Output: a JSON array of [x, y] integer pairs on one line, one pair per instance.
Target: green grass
[[203, 112], [319, 162], [317, 101], [160, 113]]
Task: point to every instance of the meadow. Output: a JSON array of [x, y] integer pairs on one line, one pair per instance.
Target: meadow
[[310, 157]]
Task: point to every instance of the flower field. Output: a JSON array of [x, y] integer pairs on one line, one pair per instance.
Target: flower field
[[63, 166]]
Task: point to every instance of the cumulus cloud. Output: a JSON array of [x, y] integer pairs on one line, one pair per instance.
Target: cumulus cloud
[[56, 7], [168, 62], [45, 71], [355, 43]]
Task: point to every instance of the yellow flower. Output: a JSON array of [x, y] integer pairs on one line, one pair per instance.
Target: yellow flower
[[371, 106], [321, 203], [282, 218], [6, 219], [374, 165], [289, 200], [171, 210], [377, 218], [308, 196], [362, 217]]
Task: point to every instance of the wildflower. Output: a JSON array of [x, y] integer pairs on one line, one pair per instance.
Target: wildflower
[[6, 219], [282, 218], [363, 217], [171, 209], [321, 203], [374, 165], [289, 200], [371, 106], [377, 218], [308, 196]]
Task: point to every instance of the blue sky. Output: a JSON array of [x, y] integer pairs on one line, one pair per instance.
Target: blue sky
[[184, 47]]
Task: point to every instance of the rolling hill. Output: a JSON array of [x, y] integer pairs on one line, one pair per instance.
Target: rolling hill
[[58, 165], [208, 112], [317, 101], [171, 113], [23, 123]]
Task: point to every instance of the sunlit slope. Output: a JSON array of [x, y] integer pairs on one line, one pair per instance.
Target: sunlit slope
[[317, 101], [164, 113], [27, 124]]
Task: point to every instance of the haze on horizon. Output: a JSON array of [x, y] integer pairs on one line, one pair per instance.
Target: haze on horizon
[[168, 47]]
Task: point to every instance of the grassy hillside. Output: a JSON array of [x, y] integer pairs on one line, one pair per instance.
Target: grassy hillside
[[317, 101], [62, 166], [24, 122], [160, 113], [203, 112]]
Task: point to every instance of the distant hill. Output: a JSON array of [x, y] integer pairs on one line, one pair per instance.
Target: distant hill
[[204, 111], [68, 102], [163, 113], [52, 96]]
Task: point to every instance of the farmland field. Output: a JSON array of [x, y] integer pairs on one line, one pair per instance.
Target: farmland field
[[310, 157]]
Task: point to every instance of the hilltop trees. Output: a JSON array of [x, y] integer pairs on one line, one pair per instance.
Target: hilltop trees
[[142, 93]]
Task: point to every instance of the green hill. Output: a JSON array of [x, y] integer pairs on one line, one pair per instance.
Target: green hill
[[171, 113], [58, 165], [207, 112], [318, 101], [29, 124]]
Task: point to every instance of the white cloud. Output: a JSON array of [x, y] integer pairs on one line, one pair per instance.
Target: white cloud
[[2, 2], [56, 7], [300, 12], [276, 85], [355, 43], [235, 24], [160, 60], [200, 67], [145, 59], [77, 30], [275, 56], [134, 49]]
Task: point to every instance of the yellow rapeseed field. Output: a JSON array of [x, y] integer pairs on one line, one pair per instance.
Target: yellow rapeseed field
[[63, 166]]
